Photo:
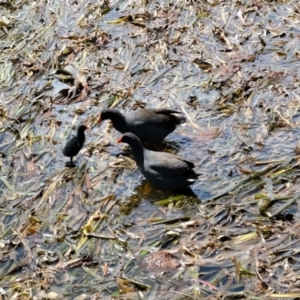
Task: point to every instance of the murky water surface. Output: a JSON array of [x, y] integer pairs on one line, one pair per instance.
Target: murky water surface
[[100, 231]]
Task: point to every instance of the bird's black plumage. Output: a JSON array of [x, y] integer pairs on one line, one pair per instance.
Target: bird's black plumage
[[74, 144], [163, 170], [149, 125]]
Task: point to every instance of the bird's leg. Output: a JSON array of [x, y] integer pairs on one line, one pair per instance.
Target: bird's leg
[[70, 163]]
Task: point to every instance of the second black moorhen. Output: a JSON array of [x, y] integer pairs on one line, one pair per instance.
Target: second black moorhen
[[74, 144], [163, 170], [149, 125]]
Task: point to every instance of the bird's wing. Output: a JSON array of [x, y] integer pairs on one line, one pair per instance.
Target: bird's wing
[[168, 165], [166, 111], [170, 113]]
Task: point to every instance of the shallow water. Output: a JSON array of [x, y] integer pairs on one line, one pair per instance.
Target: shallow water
[[231, 68]]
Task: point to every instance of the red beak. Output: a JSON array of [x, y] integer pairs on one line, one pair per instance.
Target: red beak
[[119, 140], [100, 120]]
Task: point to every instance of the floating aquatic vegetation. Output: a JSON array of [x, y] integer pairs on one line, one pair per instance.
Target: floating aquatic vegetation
[[232, 68]]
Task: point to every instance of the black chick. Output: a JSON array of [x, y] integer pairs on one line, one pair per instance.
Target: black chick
[[74, 144]]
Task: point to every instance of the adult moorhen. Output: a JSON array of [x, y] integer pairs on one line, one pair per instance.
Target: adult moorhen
[[149, 125], [163, 170]]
